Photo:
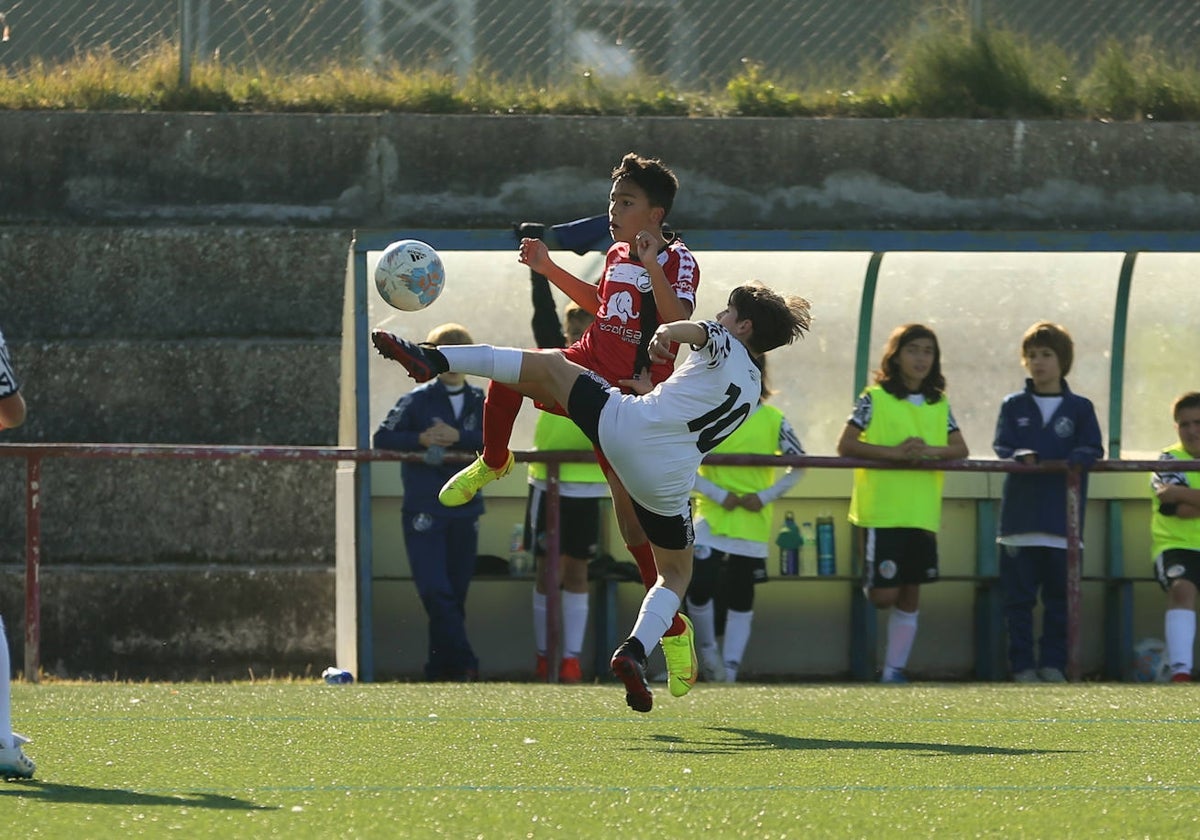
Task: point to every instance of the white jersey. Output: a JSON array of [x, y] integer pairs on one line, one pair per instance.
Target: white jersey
[[8, 379], [656, 441]]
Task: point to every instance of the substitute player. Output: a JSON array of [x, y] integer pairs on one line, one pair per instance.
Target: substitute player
[[653, 441], [1175, 535], [13, 761]]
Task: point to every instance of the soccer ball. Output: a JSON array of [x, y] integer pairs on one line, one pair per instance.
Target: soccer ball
[[1150, 661], [410, 275]]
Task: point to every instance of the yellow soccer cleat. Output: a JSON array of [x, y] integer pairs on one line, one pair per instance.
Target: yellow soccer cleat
[[680, 653], [465, 483]]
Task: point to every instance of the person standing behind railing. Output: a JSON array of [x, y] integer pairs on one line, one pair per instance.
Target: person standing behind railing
[[904, 416], [1046, 421], [442, 543], [1175, 536], [13, 761], [734, 514]]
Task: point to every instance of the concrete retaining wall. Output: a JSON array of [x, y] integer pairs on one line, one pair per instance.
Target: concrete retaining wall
[[480, 171]]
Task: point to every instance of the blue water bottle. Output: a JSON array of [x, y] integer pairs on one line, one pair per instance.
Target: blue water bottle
[[789, 542], [826, 555]]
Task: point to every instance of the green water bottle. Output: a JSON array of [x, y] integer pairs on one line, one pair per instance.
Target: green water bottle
[[789, 542]]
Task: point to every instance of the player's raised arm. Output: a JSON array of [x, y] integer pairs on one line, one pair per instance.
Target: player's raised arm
[[670, 306], [536, 255]]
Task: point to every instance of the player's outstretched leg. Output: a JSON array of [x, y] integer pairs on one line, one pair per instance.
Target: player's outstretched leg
[[422, 361], [629, 666]]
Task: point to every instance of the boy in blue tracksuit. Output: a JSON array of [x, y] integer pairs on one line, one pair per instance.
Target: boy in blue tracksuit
[[1045, 422], [442, 543]]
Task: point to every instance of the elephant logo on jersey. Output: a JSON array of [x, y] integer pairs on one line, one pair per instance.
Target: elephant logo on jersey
[[620, 306], [887, 569], [1064, 427]]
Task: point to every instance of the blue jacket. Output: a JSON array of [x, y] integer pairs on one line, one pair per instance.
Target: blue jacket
[[1037, 502], [412, 415]]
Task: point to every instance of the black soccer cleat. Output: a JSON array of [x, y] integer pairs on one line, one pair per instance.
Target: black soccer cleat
[[630, 668], [422, 361]]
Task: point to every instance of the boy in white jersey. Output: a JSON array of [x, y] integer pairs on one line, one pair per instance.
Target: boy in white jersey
[[655, 439]]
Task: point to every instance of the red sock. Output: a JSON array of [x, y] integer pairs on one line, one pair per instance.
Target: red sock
[[500, 409], [643, 555]]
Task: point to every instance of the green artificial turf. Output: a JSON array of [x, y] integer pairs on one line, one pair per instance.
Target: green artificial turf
[[518, 760]]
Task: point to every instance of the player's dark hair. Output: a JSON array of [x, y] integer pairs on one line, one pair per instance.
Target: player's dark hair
[[653, 177], [933, 386], [777, 320], [1053, 336], [1189, 400]]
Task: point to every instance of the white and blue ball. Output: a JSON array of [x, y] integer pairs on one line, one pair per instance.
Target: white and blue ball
[[410, 275], [1150, 661]]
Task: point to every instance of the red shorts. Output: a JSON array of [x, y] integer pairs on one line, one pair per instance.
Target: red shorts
[[583, 358]]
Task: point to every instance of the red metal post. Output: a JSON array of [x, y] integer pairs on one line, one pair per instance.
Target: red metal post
[[553, 566], [33, 560], [1074, 571]]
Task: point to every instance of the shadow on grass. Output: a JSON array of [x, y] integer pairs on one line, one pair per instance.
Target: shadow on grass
[[741, 740], [79, 794]]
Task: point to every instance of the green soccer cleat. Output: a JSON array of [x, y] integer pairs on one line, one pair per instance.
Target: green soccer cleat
[[680, 653], [464, 484]]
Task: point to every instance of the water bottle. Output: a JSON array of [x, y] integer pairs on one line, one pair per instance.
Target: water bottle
[[826, 555], [789, 541], [519, 562], [336, 676], [808, 549]]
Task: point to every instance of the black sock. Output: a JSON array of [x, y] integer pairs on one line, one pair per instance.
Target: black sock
[[634, 647]]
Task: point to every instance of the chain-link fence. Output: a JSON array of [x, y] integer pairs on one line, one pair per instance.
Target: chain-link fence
[[689, 43]]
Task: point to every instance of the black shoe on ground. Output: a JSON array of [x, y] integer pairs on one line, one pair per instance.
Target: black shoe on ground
[[422, 361], [629, 666]]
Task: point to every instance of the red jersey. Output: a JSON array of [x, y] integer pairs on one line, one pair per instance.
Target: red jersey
[[628, 317]]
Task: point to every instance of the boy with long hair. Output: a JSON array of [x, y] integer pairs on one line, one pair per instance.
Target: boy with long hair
[[904, 416]]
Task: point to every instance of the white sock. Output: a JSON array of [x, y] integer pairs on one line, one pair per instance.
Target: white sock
[[574, 616], [655, 617], [704, 623], [737, 635], [6, 741], [902, 629], [503, 364], [1181, 638], [539, 621]]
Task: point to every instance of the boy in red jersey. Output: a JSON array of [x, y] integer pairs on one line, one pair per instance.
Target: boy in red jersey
[[634, 296]]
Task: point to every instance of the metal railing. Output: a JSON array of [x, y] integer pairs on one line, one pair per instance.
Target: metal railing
[[35, 453]]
